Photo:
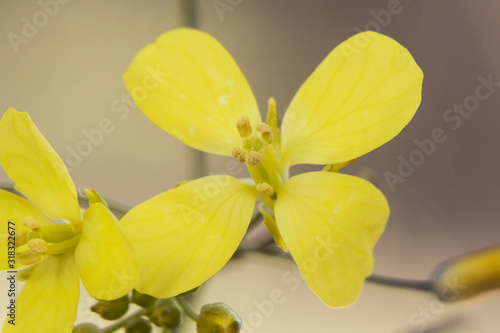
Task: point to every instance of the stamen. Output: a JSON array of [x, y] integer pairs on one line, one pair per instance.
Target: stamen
[[254, 158], [244, 126], [265, 132], [64, 246], [28, 257], [37, 246], [31, 223], [265, 189], [239, 154]]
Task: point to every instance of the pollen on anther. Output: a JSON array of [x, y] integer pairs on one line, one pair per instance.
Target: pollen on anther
[[37, 246], [31, 223], [244, 127], [254, 158], [239, 154], [265, 189], [266, 132]]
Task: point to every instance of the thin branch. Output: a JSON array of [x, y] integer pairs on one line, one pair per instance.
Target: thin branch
[[188, 310], [424, 285]]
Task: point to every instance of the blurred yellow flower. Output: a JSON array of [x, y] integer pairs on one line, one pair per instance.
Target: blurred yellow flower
[[89, 246], [362, 95]]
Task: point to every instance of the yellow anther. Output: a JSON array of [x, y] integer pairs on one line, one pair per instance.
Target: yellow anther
[[254, 158], [28, 258], [37, 246], [265, 189], [266, 132], [31, 223], [244, 126], [239, 154]]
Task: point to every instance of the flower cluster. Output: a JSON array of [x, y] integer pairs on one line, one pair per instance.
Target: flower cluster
[[362, 95], [89, 246]]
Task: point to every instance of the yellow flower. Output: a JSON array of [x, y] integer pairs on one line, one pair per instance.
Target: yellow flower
[[359, 97], [89, 246]]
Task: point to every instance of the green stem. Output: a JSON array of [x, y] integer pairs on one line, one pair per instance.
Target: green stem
[[424, 285], [121, 323], [254, 220], [188, 310]]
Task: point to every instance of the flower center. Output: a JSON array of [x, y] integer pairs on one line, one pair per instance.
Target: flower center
[[44, 240], [253, 146], [257, 151]]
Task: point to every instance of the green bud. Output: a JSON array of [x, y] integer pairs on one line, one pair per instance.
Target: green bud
[[218, 318], [139, 325], [86, 328], [167, 313], [167, 330], [111, 310], [143, 300]]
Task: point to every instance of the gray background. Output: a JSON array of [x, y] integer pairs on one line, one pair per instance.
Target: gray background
[[68, 77]]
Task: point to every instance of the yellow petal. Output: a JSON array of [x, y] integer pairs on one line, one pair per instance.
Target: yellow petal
[[184, 236], [190, 86], [15, 208], [35, 168], [361, 96], [48, 301], [330, 223], [104, 257]]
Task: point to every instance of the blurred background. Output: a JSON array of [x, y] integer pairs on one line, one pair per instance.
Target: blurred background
[[62, 61]]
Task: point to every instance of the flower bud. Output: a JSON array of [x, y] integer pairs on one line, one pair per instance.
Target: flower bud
[[139, 325], [94, 197], [86, 328], [218, 318], [167, 313], [143, 300], [111, 310], [468, 275]]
